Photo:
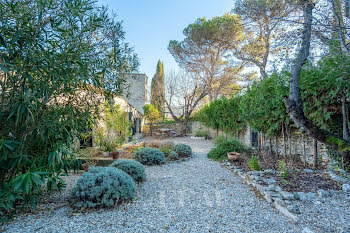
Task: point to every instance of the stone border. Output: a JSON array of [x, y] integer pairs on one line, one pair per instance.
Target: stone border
[[280, 200], [198, 138]]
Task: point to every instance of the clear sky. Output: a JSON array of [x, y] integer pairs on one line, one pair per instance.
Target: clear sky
[[151, 24]]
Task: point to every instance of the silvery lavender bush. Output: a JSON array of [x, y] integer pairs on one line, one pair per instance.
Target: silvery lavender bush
[[131, 167], [103, 187], [149, 156]]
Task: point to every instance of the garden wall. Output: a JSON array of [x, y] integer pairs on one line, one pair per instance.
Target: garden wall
[[247, 137]]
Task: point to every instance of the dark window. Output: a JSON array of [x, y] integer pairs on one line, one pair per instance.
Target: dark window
[[254, 139]]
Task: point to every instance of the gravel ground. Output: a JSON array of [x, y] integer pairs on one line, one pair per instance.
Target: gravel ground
[[197, 195]]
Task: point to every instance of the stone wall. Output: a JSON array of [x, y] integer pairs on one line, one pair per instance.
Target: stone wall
[[246, 137], [197, 126], [136, 92]]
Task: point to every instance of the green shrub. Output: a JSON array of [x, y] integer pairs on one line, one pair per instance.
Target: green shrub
[[182, 150], [173, 155], [219, 139], [103, 187], [166, 150], [202, 133], [282, 169], [223, 146], [254, 164], [131, 167], [149, 156]]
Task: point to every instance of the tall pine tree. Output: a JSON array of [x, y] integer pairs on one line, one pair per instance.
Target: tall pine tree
[[158, 89]]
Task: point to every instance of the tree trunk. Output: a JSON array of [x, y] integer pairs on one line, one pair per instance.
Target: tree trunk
[[345, 119], [315, 157], [289, 143], [294, 104], [270, 146], [345, 128], [304, 150], [151, 129], [284, 141], [184, 127], [276, 145]]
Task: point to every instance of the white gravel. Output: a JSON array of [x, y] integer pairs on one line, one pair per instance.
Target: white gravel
[[192, 196]]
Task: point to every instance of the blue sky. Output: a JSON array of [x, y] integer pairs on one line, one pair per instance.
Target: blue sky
[[151, 24]]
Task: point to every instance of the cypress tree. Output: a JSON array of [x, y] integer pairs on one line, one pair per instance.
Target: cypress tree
[[158, 88]]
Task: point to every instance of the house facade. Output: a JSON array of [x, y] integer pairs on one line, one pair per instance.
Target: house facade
[[134, 98]]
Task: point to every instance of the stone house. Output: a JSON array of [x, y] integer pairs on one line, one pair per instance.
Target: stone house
[[132, 101]]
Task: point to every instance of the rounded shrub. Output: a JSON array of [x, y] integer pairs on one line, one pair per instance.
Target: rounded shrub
[[223, 146], [149, 156], [182, 150], [103, 187], [173, 155], [131, 167]]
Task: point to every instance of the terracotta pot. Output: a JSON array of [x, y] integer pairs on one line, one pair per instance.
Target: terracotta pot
[[115, 154], [233, 156]]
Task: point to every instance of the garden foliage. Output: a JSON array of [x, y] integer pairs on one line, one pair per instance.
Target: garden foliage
[[54, 68], [254, 164], [173, 155], [182, 150], [103, 187], [149, 156], [223, 146], [131, 167]]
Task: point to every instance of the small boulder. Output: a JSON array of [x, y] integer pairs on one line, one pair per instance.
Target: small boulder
[[301, 196], [271, 188], [256, 178], [269, 181], [346, 187], [308, 170], [287, 195], [307, 230], [311, 195], [269, 171], [294, 209], [322, 193], [278, 189]]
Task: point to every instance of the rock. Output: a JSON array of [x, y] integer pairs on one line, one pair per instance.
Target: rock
[[279, 201], [274, 194], [256, 178], [269, 171], [301, 196], [294, 209], [346, 187], [228, 164], [271, 187], [335, 177], [322, 193], [255, 173], [308, 170], [278, 189], [287, 195], [269, 181], [307, 230], [311, 195], [288, 202]]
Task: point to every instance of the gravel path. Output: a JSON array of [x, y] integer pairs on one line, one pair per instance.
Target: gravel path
[[197, 195]]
